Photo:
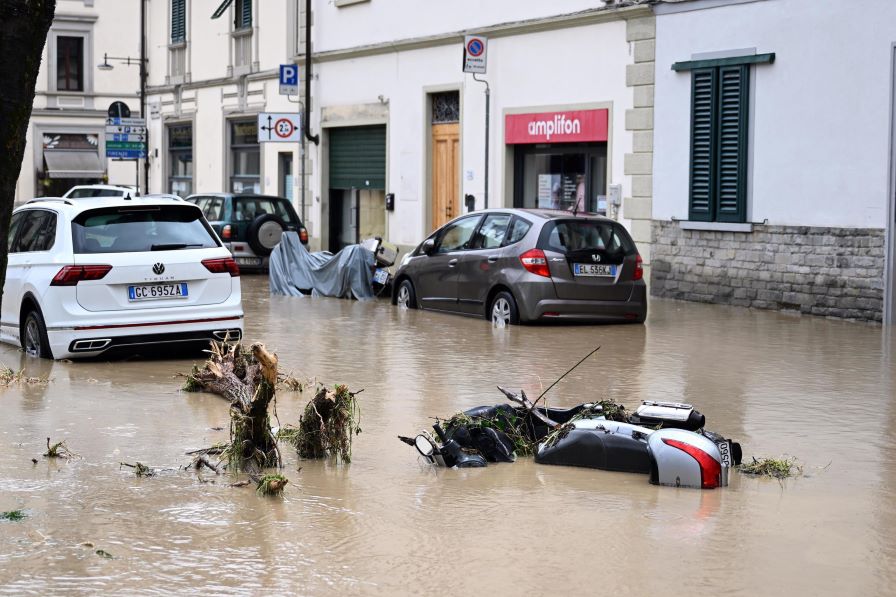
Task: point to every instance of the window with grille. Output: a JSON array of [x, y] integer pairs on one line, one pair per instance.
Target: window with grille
[[445, 107]]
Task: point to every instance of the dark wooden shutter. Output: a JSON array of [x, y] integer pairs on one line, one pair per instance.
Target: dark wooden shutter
[[731, 181], [243, 14], [178, 20], [358, 157], [703, 92]]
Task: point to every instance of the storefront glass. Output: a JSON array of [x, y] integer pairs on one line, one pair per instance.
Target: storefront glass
[[245, 157], [562, 176], [180, 159]]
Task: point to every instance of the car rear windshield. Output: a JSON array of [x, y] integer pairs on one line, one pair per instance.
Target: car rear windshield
[[246, 209], [87, 193], [144, 228], [568, 236]]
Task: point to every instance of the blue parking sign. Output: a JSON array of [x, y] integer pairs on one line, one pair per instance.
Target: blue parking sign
[[289, 79]]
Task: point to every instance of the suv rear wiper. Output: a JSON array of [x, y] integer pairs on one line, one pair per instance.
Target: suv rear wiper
[[173, 246]]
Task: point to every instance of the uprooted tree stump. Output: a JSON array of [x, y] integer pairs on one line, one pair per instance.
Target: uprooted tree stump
[[330, 421], [247, 379]]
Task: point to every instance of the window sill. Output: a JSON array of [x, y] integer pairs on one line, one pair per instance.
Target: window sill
[[244, 32], [341, 3], [177, 45], [715, 226]]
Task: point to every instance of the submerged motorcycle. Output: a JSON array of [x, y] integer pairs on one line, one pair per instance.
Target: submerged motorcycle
[[385, 255], [665, 440]]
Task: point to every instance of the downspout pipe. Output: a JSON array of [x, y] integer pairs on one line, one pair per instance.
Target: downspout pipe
[[313, 138]]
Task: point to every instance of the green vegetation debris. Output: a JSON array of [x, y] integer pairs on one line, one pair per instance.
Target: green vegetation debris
[[779, 468], [9, 377], [271, 485], [140, 469], [13, 515], [58, 450], [330, 421]]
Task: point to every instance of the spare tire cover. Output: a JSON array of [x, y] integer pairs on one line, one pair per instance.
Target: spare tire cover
[[264, 233]]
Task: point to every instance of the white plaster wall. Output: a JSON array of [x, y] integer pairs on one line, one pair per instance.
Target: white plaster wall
[[350, 26], [545, 70], [820, 119]]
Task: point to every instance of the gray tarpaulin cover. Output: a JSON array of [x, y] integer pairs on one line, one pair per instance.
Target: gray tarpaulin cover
[[347, 273]]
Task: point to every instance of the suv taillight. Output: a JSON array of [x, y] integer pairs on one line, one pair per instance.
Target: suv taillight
[[226, 232], [70, 275], [639, 268], [222, 266], [303, 236], [535, 262]]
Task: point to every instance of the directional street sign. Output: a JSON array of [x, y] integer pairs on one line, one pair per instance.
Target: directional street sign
[[289, 79], [279, 128], [475, 47], [125, 138]]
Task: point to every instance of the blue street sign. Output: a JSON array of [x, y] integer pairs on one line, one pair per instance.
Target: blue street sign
[[289, 79], [127, 154]]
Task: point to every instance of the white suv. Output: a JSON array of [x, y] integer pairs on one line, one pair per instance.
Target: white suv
[[95, 275]]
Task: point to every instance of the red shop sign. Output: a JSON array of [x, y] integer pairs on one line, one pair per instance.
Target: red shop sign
[[573, 126]]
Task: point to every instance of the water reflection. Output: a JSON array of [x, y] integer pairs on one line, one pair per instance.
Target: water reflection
[[821, 390]]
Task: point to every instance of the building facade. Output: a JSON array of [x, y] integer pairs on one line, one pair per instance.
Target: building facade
[[773, 170], [66, 135], [400, 128]]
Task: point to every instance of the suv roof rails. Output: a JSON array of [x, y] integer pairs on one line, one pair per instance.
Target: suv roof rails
[[48, 200]]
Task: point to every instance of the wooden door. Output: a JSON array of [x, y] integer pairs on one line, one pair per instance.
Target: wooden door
[[445, 173]]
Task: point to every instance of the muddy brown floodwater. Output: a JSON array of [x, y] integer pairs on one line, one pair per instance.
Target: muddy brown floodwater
[[820, 390]]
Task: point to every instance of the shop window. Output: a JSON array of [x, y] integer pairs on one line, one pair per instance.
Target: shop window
[[562, 176], [245, 157], [719, 111], [69, 63], [180, 159]]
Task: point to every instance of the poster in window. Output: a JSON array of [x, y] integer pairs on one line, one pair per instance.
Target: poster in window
[[548, 191]]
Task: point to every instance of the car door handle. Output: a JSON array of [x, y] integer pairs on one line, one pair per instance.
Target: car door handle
[[492, 259], [452, 263]]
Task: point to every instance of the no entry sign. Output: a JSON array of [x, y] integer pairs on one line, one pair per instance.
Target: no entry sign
[[279, 128], [475, 47]]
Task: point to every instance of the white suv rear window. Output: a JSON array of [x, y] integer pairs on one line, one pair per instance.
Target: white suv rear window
[[143, 228]]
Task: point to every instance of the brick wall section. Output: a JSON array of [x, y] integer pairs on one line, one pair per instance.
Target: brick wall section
[[835, 272]]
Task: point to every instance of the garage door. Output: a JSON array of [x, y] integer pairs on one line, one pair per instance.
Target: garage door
[[358, 157]]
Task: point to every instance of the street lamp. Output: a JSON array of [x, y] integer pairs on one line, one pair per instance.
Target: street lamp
[[141, 62]]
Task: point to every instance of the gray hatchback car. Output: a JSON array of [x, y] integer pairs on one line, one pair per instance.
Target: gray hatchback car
[[526, 265]]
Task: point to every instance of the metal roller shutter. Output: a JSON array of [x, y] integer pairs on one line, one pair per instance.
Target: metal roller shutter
[[358, 157]]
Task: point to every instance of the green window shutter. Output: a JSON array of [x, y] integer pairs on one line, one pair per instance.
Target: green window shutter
[[703, 92], [242, 18], [358, 157], [731, 172], [178, 20]]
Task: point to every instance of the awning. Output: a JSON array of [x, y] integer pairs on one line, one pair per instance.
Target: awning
[[74, 164]]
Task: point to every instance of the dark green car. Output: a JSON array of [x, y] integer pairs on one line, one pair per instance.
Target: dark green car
[[250, 225]]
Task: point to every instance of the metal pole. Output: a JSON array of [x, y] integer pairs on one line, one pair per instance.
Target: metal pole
[[143, 98], [488, 94], [302, 157]]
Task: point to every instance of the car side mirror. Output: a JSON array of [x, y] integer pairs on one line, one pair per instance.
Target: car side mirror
[[428, 246]]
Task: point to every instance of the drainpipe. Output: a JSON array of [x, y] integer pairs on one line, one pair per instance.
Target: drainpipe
[[313, 138]]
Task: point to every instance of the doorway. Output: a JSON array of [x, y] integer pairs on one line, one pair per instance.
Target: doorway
[[445, 148], [357, 193], [284, 175]]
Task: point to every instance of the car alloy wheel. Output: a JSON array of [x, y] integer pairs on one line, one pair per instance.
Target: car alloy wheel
[[501, 311], [32, 337]]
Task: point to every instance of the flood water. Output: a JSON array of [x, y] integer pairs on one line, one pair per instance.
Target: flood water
[[819, 390]]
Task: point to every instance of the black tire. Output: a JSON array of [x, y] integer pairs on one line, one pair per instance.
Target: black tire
[[503, 310], [406, 296], [34, 339], [264, 234]]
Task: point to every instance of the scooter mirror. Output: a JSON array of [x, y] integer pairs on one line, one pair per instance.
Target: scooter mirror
[[424, 445]]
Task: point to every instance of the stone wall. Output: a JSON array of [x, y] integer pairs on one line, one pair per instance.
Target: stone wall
[[836, 272]]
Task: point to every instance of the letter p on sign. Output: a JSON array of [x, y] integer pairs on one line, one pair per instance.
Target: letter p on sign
[[289, 79]]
